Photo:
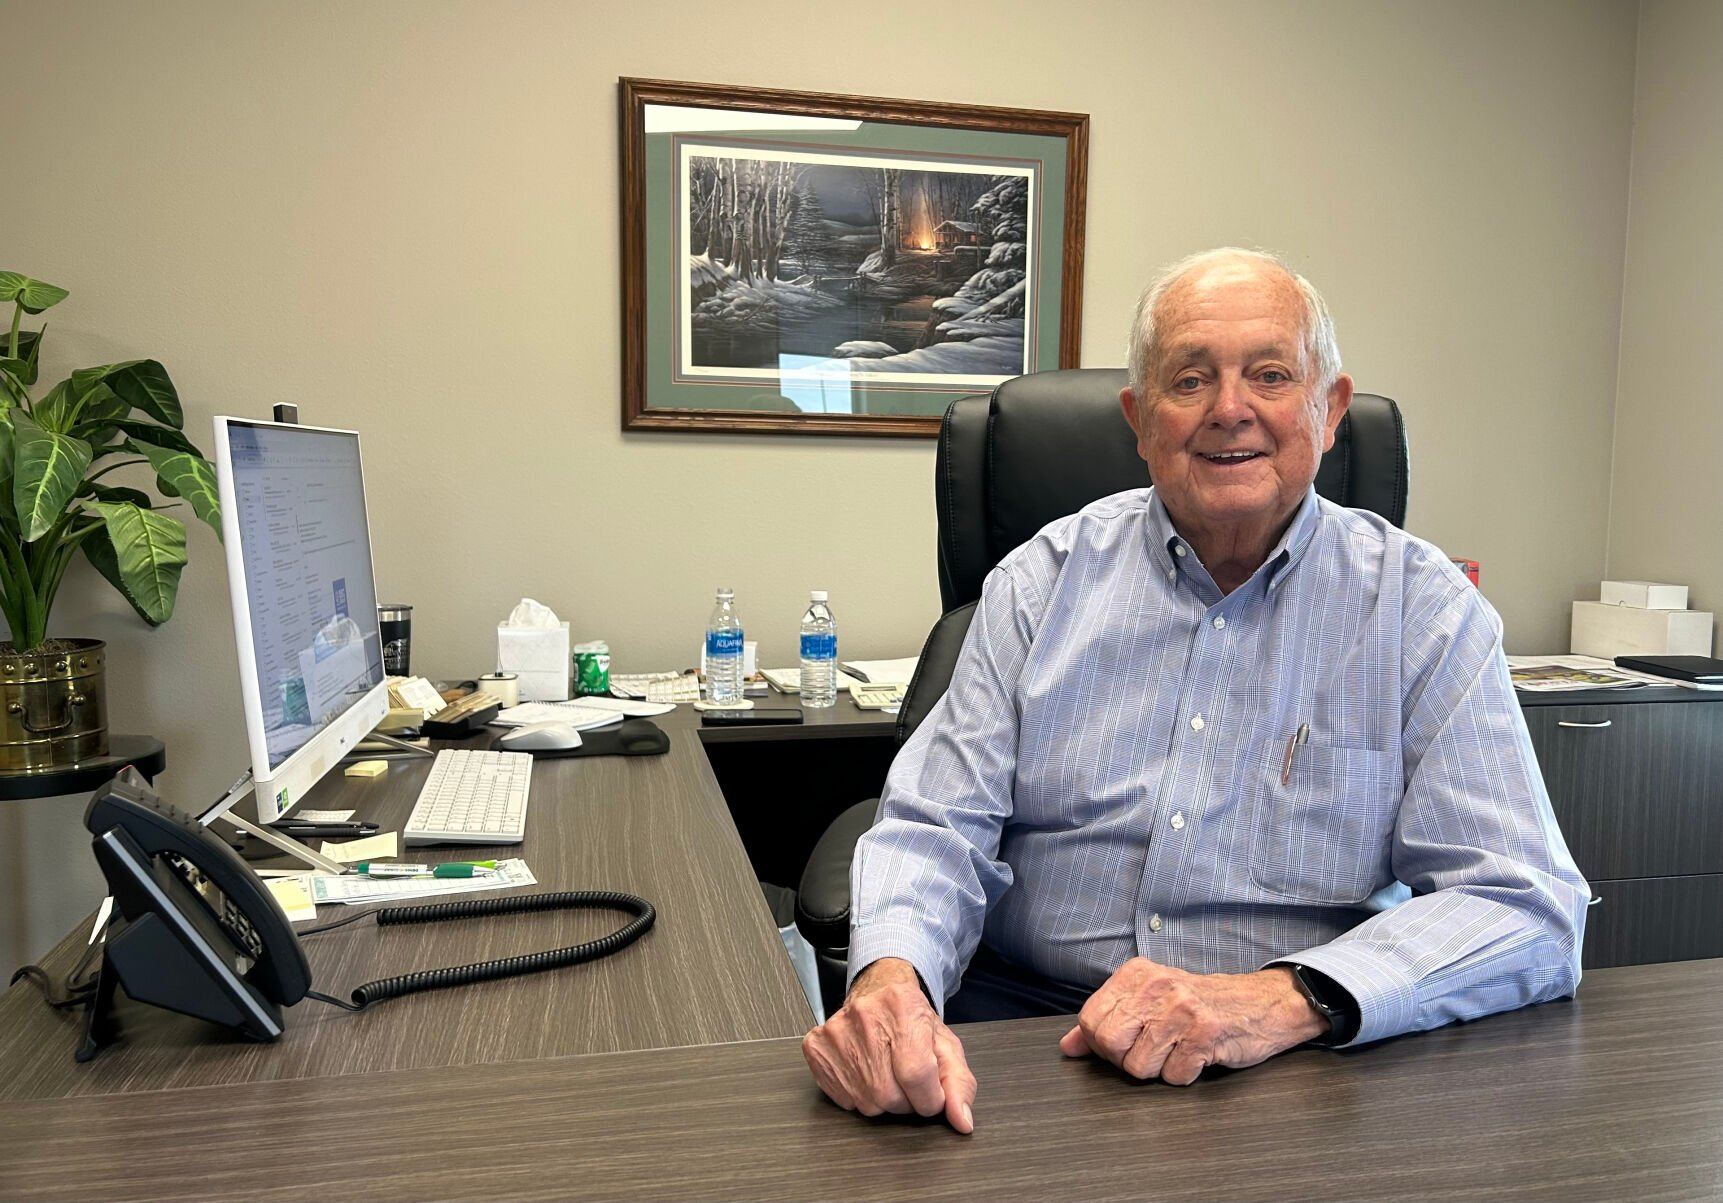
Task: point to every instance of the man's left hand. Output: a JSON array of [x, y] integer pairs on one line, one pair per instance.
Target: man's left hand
[[1151, 1019]]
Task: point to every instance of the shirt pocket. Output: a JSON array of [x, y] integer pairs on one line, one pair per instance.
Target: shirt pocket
[[1323, 837]]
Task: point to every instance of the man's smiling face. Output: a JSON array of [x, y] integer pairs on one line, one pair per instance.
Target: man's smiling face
[[1232, 425]]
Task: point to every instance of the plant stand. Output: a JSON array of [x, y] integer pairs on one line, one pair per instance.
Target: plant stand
[[51, 880]]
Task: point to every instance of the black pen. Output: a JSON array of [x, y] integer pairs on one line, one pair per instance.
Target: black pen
[[289, 827]]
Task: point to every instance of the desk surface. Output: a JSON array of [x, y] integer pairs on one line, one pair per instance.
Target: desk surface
[[1618, 1095], [712, 970]]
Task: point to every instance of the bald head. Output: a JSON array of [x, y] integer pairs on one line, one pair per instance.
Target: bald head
[[1195, 280]]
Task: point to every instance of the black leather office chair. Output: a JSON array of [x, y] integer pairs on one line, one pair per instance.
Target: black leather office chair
[[1041, 447]]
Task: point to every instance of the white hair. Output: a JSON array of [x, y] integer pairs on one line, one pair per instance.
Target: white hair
[[1321, 351]]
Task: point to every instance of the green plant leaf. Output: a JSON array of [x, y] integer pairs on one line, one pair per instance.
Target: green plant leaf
[[156, 436], [33, 295], [99, 551], [188, 476], [55, 407], [29, 348], [100, 405], [103, 492], [12, 394], [48, 468], [8, 443], [140, 383], [149, 552]]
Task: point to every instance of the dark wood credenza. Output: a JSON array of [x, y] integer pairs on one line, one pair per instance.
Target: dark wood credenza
[[1636, 781]]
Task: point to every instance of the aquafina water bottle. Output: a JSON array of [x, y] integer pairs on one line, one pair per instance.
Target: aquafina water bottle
[[819, 678], [724, 651]]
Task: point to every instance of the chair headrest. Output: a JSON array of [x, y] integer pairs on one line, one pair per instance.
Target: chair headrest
[[1047, 444]]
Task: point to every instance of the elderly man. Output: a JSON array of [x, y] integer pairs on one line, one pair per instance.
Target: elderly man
[[1223, 767]]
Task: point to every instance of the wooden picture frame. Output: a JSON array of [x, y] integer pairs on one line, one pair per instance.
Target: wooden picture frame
[[811, 263]]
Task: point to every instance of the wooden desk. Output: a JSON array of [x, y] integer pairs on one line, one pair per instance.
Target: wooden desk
[[712, 970], [1618, 1095], [768, 776]]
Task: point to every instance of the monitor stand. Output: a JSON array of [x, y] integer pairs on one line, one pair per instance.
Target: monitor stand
[[223, 810], [388, 741]]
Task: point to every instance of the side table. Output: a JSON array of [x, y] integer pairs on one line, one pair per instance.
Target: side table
[[48, 878]]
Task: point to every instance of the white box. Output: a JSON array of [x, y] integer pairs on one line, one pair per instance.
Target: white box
[[1611, 631], [1648, 595], [540, 656]]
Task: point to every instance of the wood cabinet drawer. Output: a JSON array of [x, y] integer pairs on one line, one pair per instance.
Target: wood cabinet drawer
[[1639, 921], [1637, 787]]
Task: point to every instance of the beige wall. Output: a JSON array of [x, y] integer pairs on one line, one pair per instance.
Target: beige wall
[[404, 215], [1666, 502]]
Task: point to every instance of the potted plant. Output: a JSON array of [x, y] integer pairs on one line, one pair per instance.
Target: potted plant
[[54, 502]]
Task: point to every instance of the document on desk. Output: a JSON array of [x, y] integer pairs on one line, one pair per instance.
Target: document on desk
[[627, 707], [352, 889], [789, 680], [291, 893], [372, 847], [882, 672]]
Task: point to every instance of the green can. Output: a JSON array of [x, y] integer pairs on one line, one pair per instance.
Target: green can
[[592, 669]]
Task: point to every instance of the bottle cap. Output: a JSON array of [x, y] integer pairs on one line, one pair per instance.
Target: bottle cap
[[722, 592], [818, 595]]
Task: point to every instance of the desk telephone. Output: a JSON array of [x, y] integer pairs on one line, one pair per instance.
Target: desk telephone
[[195, 931]]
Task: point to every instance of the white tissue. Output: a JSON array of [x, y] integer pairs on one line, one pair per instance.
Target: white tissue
[[530, 613]]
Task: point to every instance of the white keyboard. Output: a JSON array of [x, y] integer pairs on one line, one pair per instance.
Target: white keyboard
[[472, 797]]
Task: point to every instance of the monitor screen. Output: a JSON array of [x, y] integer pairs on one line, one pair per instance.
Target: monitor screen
[[299, 502]]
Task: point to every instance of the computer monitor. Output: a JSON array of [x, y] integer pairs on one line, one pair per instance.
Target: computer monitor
[[304, 600]]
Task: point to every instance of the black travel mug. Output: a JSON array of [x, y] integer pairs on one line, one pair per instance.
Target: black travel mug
[[395, 623]]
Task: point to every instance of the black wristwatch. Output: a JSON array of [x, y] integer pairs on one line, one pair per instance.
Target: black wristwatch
[[1331, 1000]]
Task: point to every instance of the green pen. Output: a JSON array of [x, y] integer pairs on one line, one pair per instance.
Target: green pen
[[462, 868]]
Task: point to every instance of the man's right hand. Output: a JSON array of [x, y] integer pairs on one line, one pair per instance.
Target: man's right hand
[[887, 1049]]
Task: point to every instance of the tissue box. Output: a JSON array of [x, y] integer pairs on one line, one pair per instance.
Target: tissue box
[[1648, 595], [1600, 629], [540, 656]]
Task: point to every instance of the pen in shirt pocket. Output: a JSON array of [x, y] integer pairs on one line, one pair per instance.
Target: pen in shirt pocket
[[1294, 742]]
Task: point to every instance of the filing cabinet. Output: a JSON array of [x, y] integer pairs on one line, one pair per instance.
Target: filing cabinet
[[1636, 781]]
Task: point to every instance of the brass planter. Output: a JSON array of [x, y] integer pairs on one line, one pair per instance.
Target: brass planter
[[53, 705]]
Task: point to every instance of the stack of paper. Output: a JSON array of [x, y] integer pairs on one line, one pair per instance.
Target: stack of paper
[[1556, 674], [789, 680], [578, 715], [882, 672]]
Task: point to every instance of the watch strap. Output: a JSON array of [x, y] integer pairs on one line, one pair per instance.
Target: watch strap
[[1329, 999]]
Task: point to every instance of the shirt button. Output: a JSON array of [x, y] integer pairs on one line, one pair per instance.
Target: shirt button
[[1178, 549], [1172, 574], [1219, 623], [1178, 821], [1154, 923], [1197, 723]]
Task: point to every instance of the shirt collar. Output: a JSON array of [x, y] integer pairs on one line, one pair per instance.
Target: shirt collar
[[1166, 541]]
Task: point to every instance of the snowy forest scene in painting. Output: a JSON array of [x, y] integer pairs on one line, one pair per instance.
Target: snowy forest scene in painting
[[908, 270]]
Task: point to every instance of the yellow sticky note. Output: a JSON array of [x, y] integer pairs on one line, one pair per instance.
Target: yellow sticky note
[[290, 893], [372, 847], [368, 768]]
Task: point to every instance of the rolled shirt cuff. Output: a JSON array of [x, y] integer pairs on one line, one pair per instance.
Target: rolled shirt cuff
[[1386, 998], [876, 941]]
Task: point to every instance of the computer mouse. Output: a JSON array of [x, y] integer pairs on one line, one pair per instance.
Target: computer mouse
[[539, 737]]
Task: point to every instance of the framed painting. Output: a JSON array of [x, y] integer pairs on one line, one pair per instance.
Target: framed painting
[[806, 263]]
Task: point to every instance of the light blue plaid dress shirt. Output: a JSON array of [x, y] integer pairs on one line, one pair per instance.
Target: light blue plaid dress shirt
[[1103, 777]]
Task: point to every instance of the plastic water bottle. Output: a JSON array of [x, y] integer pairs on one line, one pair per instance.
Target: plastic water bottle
[[724, 651], [819, 680]]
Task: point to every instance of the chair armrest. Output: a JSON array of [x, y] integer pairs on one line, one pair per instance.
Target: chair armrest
[[823, 901]]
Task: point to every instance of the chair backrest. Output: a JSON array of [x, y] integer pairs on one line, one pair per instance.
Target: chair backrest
[[1046, 445]]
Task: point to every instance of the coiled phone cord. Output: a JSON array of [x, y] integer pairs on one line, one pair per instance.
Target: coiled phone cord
[[484, 971]]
